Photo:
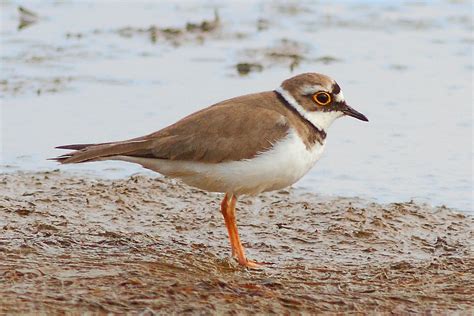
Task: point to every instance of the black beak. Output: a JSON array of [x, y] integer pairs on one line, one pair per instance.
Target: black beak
[[347, 110]]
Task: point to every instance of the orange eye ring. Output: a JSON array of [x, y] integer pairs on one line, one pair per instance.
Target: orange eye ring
[[322, 98]]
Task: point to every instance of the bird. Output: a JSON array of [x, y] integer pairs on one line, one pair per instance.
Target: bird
[[245, 145]]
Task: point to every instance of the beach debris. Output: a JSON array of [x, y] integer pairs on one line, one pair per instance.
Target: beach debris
[[326, 60], [26, 17], [37, 85], [398, 67], [285, 51], [263, 24], [204, 26], [175, 35], [290, 9], [245, 68]]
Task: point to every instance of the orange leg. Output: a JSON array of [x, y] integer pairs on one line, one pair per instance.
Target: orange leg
[[224, 211], [238, 252]]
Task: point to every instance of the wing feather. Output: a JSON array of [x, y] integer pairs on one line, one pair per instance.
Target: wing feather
[[235, 129]]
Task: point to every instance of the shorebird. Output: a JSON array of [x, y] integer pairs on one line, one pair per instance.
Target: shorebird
[[242, 146]]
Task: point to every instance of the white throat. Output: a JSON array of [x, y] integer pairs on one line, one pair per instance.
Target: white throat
[[322, 120]]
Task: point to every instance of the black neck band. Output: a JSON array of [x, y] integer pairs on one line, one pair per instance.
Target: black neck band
[[304, 119]]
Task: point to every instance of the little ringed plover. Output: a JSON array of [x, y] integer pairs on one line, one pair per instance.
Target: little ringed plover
[[246, 145]]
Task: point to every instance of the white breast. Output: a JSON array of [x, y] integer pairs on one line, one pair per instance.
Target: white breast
[[283, 165]]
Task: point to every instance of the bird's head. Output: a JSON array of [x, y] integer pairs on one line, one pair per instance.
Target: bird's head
[[318, 98]]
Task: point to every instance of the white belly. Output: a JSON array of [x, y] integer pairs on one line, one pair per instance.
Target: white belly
[[283, 165]]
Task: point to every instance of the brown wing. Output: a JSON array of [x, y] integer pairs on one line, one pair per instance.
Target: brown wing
[[235, 129]]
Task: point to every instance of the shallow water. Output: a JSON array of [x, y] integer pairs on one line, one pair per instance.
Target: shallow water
[[92, 72]]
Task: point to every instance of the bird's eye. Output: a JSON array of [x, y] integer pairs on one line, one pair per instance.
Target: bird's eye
[[322, 98]]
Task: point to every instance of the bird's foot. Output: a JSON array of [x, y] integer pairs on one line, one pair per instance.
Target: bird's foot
[[254, 264]]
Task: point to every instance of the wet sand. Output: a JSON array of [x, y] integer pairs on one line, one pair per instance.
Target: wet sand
[[76, 244]]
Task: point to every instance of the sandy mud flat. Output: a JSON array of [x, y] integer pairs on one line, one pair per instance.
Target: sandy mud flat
[[71, 243]]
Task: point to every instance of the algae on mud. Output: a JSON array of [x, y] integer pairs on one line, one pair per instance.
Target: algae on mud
[[147, 245]]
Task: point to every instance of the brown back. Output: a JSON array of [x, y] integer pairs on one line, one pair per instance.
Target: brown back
[[234, 129]]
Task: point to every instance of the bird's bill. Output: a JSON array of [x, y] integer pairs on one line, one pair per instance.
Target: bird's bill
[[351, 112]]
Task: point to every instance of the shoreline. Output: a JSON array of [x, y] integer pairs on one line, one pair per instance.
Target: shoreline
[[116, 173], [143, 244]]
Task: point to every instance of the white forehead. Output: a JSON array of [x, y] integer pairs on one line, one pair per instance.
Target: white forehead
[[311, 89]]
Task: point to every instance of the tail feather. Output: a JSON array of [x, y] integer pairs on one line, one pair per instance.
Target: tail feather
[[77, 146], [93, 152]]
